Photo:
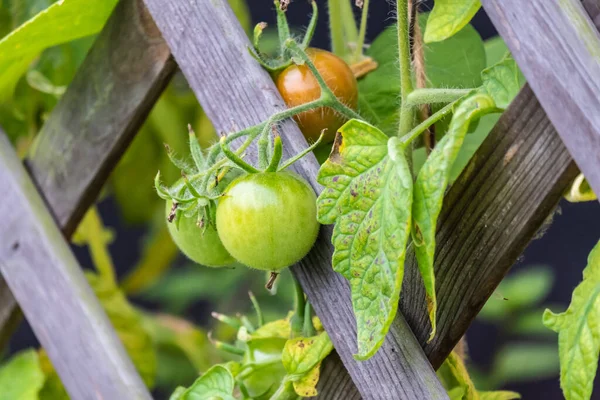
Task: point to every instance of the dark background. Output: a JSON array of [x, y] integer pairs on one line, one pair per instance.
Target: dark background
[[564, 247]]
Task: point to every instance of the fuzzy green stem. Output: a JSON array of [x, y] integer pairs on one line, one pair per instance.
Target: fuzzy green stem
[[406, 86], [297, 322], [419, 129], [433, 96], [350, 29], [303, 153], [277, 153], [247, 324], [283, 28], [310, 31], [358, 52], [236, 159], [336, 28]]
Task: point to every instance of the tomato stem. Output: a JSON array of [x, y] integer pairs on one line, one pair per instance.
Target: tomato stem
[[308, 330], [419, 129], [406, 111], [297, 321], [257, 309], [310, 31], [283, 28], [420, 97], [277, 153], [298, 156], [237, 160], [272, 278], [336, 28], [358, 52]]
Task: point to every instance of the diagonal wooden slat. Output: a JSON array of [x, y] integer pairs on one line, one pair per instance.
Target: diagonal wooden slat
[[52, 291], [108, 100], [558, 49], [211, 49]]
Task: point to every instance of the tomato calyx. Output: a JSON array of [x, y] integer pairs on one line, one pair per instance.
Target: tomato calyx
[[284, 59]]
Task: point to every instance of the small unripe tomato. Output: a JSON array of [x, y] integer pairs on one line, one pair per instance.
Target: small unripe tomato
[[268, 221], [298, 85], [200, 245]]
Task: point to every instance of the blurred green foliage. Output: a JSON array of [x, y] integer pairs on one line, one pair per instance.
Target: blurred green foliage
[[526, 349]]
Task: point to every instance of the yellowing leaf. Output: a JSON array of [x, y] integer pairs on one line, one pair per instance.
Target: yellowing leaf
[[448, 17], [307, 385], [368, 195], [430, 188], [279, 329], [302, 358], [578, 331], [21, 377]]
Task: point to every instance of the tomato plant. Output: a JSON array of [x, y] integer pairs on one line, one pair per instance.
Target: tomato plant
[[297, 86], [405, 113], [268, 220]]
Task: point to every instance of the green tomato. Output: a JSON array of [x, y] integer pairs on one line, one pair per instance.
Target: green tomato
[[205, 248], [268, 220]]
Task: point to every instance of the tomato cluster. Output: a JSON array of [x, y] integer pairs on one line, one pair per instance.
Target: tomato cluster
[[266, 220]]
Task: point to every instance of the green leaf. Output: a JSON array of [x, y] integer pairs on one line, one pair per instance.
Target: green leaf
[[61, 22], [578, 331], [495, 50], [502, 81], [217, 382], [368, 195], [21, 377], [524, 361], [453, 63], [448, 17], [430, 187]]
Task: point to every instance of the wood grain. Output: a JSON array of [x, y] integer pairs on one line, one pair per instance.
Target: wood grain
[[50, 287], [558, 49], [495, 208], [108, 100], [211, 49]]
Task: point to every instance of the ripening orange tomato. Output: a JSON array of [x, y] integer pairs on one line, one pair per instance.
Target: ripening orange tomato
[[297, 86]]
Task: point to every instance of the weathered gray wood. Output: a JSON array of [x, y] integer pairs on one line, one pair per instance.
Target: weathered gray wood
[[210, 48], [558, 49], [51, 289], [114, 89], [95, 120], [490, 214]]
